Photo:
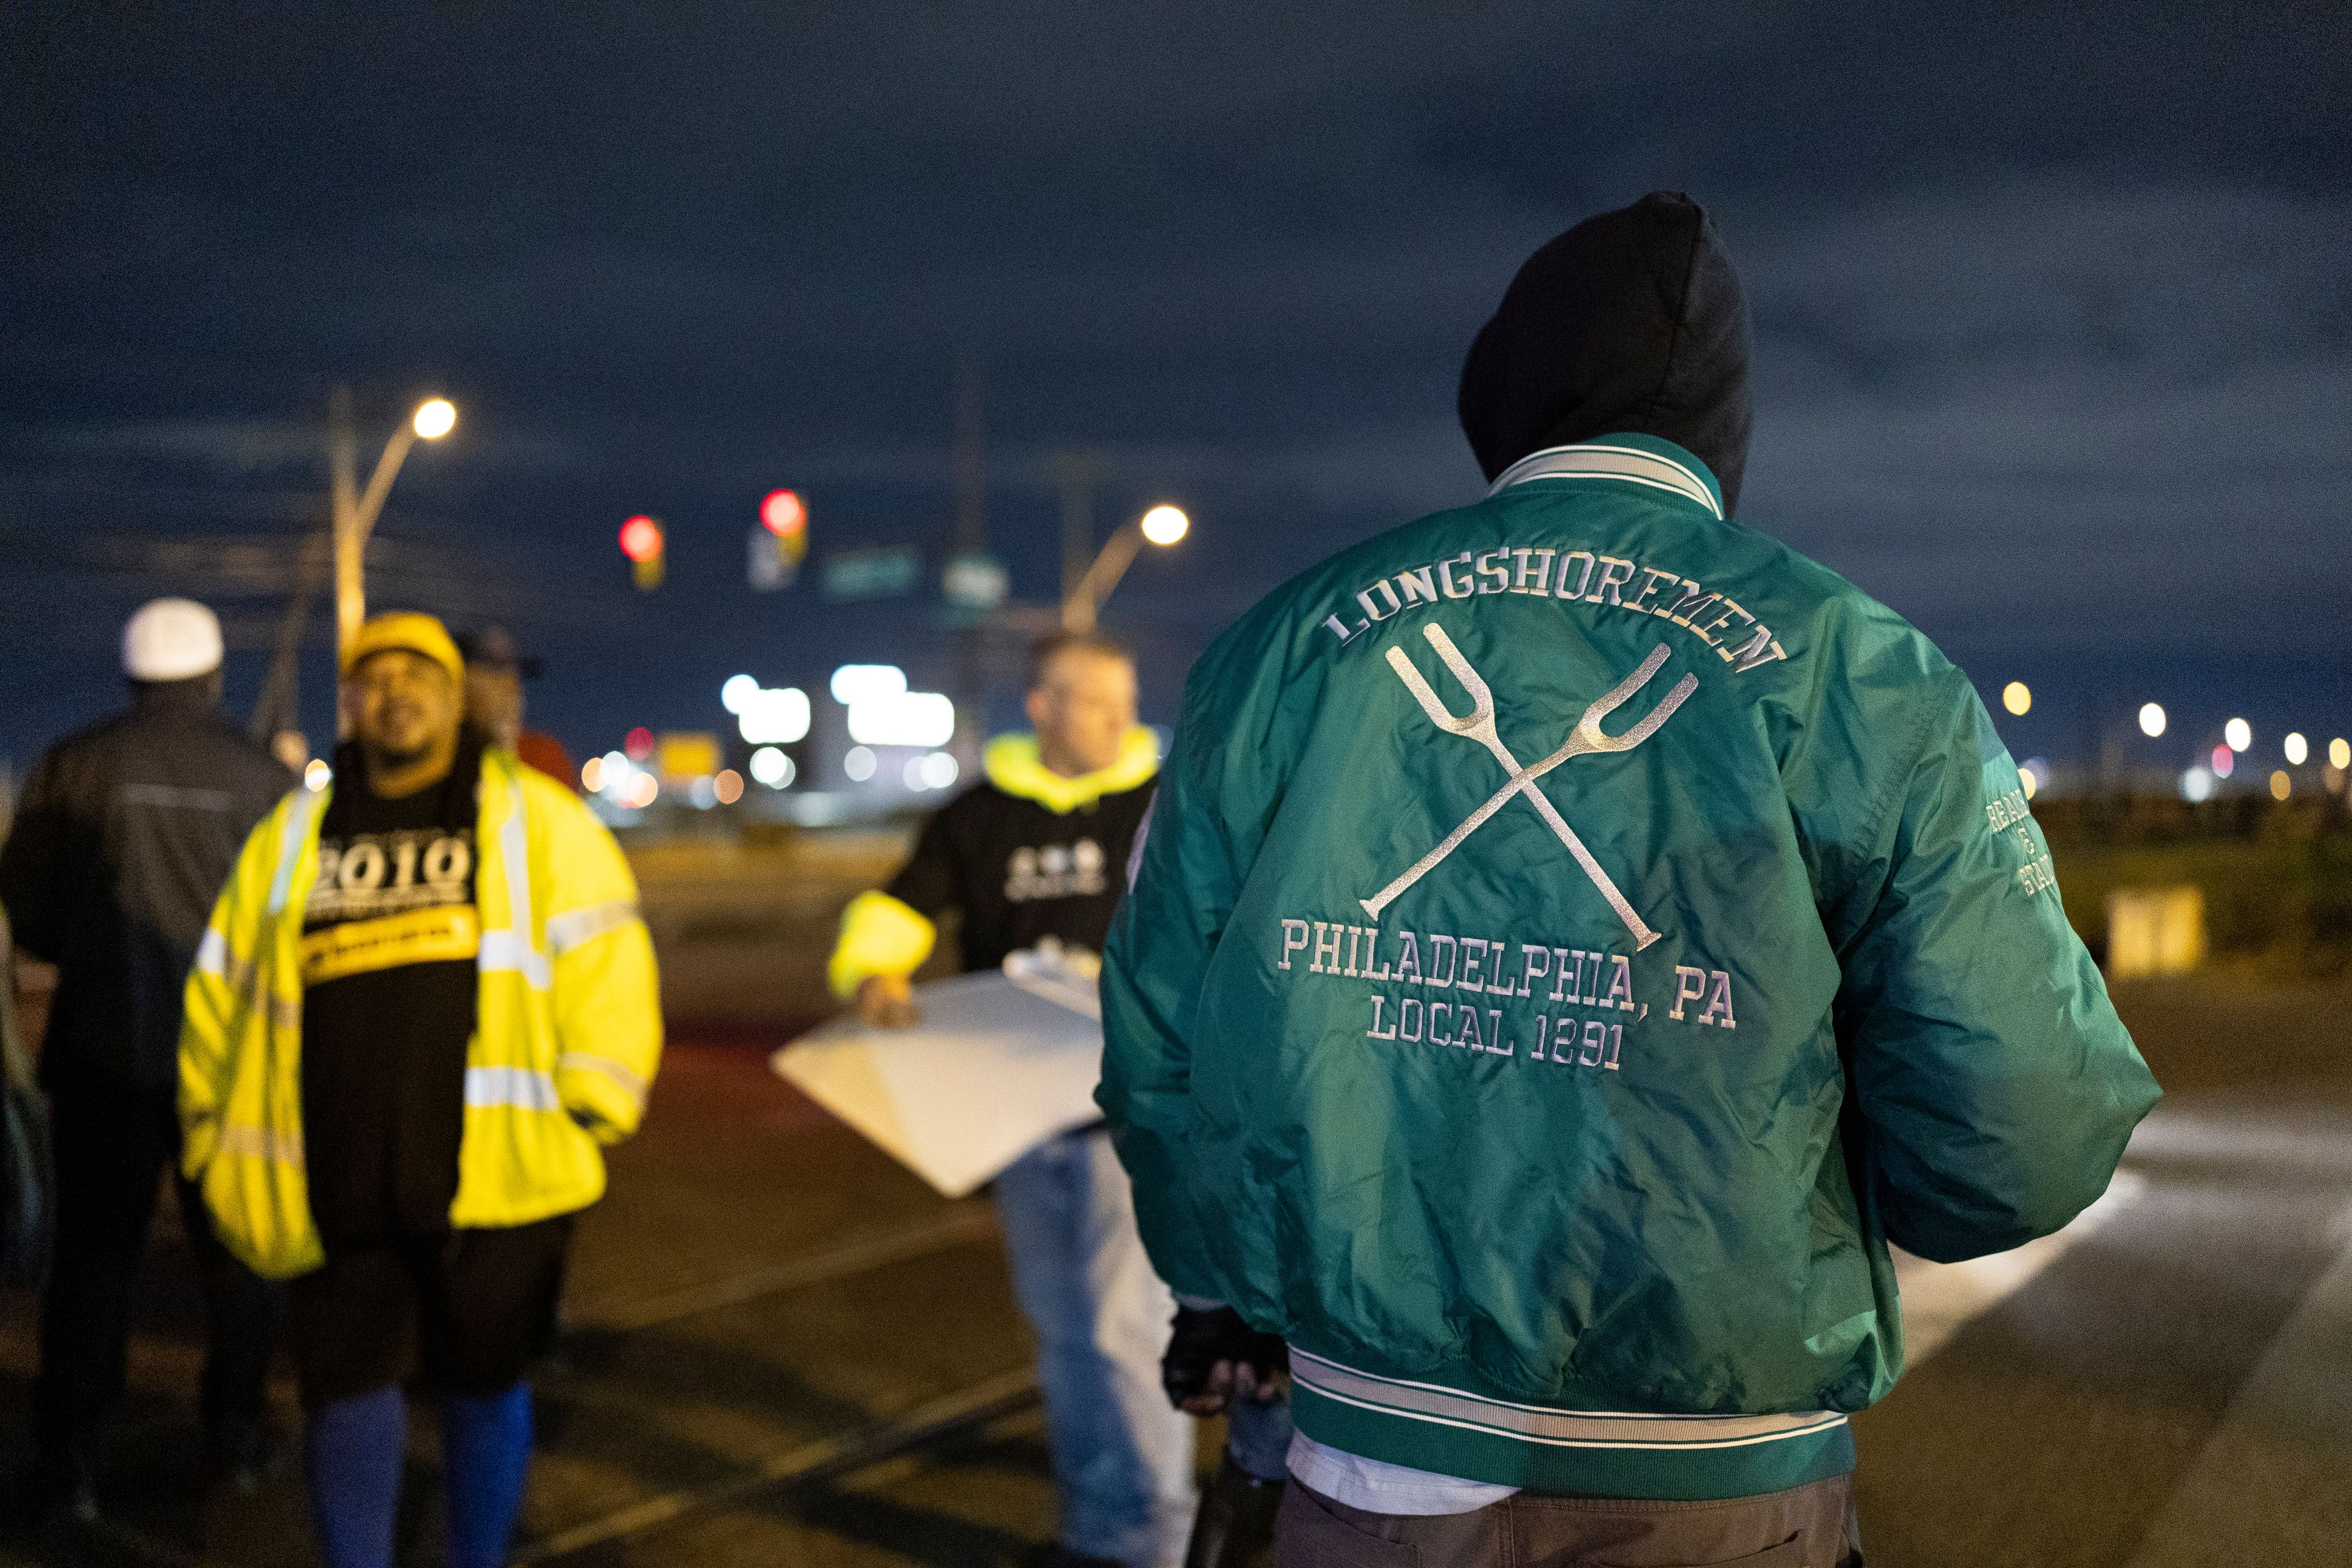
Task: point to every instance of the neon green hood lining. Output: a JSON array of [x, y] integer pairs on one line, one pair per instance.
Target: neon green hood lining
[[1013, 764]]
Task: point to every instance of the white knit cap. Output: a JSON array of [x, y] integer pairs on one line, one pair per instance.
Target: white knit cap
[[171, 639]]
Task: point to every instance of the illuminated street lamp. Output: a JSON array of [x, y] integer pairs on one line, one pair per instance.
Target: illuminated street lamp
[[2151, 720], [2239, 735], [2017, 698], [1164, 525], [355, 513]]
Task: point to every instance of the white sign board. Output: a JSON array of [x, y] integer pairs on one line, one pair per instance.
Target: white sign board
[[995, 1066]]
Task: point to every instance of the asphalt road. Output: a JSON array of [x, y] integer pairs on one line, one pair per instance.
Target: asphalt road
[[781, 1348]]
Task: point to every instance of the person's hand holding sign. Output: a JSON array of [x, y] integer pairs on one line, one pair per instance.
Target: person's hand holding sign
[[887, 1002]]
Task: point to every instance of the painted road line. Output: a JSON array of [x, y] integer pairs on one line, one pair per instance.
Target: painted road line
[[827, 1458], [1941, 1299], [956, 1227], [2273, 1482]]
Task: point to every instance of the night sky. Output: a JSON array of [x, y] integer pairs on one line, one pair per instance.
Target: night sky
[[2054, 309]]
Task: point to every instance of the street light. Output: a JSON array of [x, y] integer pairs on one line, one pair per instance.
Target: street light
[[1164, 525], [355, 515]]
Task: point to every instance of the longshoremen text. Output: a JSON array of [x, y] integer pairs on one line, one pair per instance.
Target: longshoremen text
[[1580, 576]]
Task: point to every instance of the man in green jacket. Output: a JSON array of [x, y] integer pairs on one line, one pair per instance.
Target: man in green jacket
[[1577, 935]]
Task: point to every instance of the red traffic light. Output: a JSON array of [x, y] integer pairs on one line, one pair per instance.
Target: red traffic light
[[783, 512], [641, 539]]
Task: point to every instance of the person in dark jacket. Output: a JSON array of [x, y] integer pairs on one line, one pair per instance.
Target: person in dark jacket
[[124, 837], [1576, 937], [1037, 850], [494, 702]]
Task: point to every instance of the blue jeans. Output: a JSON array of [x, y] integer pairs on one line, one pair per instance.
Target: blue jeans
[[1122, 1456], [1258, 1437]]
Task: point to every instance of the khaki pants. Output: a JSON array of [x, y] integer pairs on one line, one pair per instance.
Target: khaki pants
[[1810, 1526]]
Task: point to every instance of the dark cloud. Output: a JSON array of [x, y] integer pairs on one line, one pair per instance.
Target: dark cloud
[[2055, 339]]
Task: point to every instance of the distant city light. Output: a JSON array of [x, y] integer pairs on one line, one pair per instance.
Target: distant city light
[[772, 767], [905, 719], [2239, 735], [591, 776], [774, 716], [2026, 783], [912, 775], [702, 794], [939, 770], [2016, 697], [2198, 784], [640, 791], [2281, 785], [318, 775], [853, 683], [727, 785], [2339, 752], [858, 764], [2225, 762], [2151, 720], [638, 744], [2297, 749], [1165, 524], [737, 691], [434, 418]]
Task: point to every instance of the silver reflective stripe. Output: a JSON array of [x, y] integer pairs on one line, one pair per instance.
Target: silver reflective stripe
[[514, 848], [213, 957], [574, 927], [1591, 461], [261, 1143], [516, 1087], [503, 950], [511, 949], [1541, 1424], [296, 833], [633, 1084]]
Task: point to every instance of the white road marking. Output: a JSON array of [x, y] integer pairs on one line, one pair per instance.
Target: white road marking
[[1941, 1299]]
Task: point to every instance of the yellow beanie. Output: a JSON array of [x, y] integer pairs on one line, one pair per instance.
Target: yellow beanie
[[408, 629]]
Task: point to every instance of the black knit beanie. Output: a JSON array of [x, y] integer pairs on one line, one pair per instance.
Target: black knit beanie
[[1633, 321]]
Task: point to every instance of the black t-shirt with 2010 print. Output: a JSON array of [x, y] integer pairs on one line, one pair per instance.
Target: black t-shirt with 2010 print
[[389, 941]]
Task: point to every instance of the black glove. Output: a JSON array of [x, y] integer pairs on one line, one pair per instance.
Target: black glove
[[1199, 1340]]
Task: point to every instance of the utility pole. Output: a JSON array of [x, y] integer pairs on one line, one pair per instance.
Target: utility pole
[[971, 458], [343, 458], [969, 455]]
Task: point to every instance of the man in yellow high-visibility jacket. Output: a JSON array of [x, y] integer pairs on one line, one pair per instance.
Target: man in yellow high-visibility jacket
[[423, 1003]]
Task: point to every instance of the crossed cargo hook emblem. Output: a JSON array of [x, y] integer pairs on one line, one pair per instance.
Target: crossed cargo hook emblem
[[1583, 741]]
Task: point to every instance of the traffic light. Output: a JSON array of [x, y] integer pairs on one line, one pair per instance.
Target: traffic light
[[643, 542], [781, 541]]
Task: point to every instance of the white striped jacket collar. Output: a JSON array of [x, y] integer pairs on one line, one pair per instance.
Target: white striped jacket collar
[[1606, 460]]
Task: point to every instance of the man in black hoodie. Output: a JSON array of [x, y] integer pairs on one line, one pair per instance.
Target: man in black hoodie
[[1631, 324], [125, 834]]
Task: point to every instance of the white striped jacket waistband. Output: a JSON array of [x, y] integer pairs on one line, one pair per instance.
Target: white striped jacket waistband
[[1545, 1424]]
